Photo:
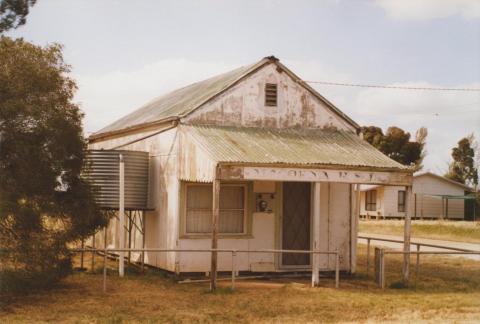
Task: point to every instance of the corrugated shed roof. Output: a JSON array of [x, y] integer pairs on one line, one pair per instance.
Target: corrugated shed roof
[[182, 101], [288, 146]]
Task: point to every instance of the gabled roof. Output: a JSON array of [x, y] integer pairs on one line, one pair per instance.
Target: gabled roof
[[431, 174], [293, 146], [183, 101]]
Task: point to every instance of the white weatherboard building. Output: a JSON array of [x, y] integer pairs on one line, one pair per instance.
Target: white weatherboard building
[[286, 162], [434, 197]]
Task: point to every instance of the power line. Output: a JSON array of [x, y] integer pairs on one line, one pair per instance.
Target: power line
[[392, 87]]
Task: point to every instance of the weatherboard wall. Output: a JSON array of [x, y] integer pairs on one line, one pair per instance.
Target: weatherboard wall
[[244, 105]]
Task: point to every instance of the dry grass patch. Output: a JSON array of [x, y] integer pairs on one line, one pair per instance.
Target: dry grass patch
[[461, 231], [449, 291]]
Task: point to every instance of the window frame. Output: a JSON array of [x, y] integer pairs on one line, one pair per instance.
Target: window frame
[[368, 202], [246, 210], [401, 206]]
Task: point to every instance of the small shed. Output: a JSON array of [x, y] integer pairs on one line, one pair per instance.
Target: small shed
[[251, 159], [434, 197]]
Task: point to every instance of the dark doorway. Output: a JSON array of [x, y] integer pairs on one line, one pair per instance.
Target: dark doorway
[[296, 222]]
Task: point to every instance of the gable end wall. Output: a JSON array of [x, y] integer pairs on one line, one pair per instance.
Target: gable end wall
[[244, 105]]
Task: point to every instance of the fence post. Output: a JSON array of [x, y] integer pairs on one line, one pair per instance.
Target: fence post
[[143, 241], [417, 265], [234, 254], [105, 270], [379, 267], [81, 254], [337, 270], [93, 252], [368, 255], [382, 266]]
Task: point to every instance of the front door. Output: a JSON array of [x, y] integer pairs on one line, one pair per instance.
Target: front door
[[296, 223]]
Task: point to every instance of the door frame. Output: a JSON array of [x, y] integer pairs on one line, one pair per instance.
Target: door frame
[[279, 230]]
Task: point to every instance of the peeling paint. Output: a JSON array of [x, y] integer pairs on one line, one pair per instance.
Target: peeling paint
[[244, 105]]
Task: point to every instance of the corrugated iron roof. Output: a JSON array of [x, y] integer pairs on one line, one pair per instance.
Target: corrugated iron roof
[[288, 146], [183, 101]]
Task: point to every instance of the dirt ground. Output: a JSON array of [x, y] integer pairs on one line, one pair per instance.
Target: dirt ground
[[447, 290]]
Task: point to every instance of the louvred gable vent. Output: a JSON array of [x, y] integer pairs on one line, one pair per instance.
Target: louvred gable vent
[[270, 94]]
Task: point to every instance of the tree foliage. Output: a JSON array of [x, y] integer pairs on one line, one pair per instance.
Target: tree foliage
[[396, 144], [13, 13], [463, 169], [44, 202]]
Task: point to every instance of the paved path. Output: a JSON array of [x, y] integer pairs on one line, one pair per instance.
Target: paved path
[[413, 247]]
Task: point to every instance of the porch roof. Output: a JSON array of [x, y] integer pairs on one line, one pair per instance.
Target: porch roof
[[295, 147]]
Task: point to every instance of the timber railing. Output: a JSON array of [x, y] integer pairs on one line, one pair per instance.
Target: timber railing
[[380, 254], [110, 252], [417, 244]]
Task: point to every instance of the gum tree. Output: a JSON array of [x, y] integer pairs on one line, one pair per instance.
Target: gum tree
[[44, 202]]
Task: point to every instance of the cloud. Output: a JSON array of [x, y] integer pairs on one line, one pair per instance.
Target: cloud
[[429, 9]]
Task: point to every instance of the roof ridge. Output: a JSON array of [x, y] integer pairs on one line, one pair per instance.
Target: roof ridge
[[183, 101]]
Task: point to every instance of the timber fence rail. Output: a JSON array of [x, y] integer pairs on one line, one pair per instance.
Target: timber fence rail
[[110, 252], [381, 259], [381, 254], [417, 244]]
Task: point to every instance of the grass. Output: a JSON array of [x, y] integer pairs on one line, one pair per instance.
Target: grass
[[442, 230], [448, 290]]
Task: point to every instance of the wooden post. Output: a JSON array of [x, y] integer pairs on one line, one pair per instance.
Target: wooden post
[[121, 215], [406, 239], [316, 234], [355, 204], [415, 205], [443, 208], [215, 214], [81, 254], [234, 254], [93, 252], [105, 259], [105, 265], [337, 270], [446, 208], [368, 255], [417, 265], [130, 224], [143, 241]]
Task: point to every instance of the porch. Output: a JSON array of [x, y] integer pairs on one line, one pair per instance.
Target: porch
[[313, 175]]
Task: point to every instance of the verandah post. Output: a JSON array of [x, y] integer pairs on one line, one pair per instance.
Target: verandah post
[[215, 214], [316, 234], [406, 239], [121, 215]]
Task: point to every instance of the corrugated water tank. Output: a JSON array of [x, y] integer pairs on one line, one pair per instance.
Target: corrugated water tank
[[102, 169]]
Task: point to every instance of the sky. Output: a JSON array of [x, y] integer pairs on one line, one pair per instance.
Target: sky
[[125, 53]]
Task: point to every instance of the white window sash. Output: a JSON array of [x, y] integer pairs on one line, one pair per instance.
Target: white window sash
[[209, 210]]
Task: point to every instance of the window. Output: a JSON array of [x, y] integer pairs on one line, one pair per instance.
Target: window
[[401, 200], [271, 94], [198, 213], [371, 200]]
